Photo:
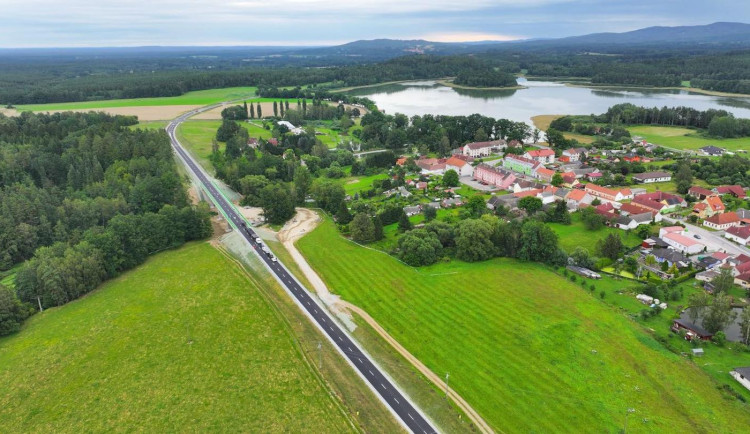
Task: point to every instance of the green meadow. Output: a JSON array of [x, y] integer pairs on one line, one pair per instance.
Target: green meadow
[[685, 138], [184, 342], [199, 97], [529, 350]]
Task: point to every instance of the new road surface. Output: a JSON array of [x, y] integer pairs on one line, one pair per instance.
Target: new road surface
[[379, 383]]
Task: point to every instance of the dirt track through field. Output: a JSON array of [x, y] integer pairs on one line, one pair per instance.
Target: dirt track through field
[[144, 113], [304, 221]]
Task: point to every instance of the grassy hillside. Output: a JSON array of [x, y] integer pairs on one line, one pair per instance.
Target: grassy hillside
[[199, 97], [528, 349], [184, 342]]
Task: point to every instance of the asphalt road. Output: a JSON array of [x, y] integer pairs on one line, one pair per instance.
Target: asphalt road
[[378, 382]]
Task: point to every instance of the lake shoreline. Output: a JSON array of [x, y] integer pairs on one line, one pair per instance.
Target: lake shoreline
[[447, 82]]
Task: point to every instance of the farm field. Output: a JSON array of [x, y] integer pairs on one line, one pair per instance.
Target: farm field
[[685, 138], [527, 348], [186, 340], [542, 122], [575, 234], [199, 97]]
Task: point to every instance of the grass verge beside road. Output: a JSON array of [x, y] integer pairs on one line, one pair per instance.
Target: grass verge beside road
[[524, 346]]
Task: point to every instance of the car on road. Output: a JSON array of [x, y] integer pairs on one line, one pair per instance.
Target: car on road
[[273, 258], [257, 240], [697, 237]]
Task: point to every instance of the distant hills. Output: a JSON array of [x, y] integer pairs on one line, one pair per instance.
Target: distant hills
[[724, 35], [718, 36]]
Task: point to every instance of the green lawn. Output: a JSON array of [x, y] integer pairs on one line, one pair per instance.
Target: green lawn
[[575, 234], [8, 278], [184, 342], [197, 137], [528, 349], [199, 97], [358, 183], [685, 138]]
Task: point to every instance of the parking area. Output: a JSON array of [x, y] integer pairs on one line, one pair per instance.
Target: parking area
[[471, 182]]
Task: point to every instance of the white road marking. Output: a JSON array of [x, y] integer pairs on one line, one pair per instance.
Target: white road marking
[[370, 372], [410, 416], [396, 401], [383, 386]]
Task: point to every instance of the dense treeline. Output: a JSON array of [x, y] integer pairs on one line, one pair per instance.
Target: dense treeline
[[716, 123], [46, 86], [436, 133], [85, 198], [486, 78], [617, 65]]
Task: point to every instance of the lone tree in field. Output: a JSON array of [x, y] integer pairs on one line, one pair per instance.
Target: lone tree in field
[[252, 111], [343, 216], [450, 178], [611, 247], [260, 112], [362, 228], [719, 314], [403, 222], [275, 109]]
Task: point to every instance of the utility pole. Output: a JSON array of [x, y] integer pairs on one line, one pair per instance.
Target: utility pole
[[320, 355]]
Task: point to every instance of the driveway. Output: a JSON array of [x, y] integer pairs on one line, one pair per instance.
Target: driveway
[[713, 239], [471, 182]]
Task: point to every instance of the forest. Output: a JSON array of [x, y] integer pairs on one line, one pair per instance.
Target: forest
[[83, 198], [19, 85], [715, 123]]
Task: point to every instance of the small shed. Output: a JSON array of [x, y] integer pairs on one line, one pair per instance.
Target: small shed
[[697, 352]]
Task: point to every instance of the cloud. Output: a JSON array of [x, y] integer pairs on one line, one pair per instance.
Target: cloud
[[29, 23]]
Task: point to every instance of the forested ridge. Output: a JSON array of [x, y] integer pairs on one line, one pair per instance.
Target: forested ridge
[[83, 198]]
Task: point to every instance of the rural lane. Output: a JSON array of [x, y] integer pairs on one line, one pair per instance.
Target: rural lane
[[395, 400]]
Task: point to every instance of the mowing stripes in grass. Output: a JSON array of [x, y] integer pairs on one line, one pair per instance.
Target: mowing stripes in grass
[[525, 347]]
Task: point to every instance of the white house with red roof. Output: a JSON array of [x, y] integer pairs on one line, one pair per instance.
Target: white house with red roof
[[723, 221], [739, 234], [462, 167], [482, 149], [544, 156], [675, 237]]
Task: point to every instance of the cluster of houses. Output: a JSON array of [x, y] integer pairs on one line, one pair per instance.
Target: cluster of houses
[[713, 263], [713, 211]]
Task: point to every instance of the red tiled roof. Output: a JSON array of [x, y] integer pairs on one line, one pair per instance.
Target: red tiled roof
[[532, 192], [541, 153], [740, 231], [700, 191], [735, 190], [723, 219], [453, 161], [715, 203]]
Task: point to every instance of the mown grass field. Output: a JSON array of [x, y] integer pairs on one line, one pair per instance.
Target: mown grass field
[[685, 138], [184, 342], [199, 97], [528, 349], [197, 136], [8, 278], [575, 234]]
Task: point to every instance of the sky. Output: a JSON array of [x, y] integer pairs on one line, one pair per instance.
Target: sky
[[82, 23]]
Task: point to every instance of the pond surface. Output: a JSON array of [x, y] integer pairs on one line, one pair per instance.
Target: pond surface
[[538, 98]]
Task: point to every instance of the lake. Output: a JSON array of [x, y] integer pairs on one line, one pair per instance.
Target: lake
[[538, 98]]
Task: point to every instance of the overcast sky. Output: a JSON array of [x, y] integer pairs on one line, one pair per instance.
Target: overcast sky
[[56, 23]]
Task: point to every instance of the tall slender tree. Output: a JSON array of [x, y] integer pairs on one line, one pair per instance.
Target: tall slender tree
[[252, 111], [275, 109], [260, 112]]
